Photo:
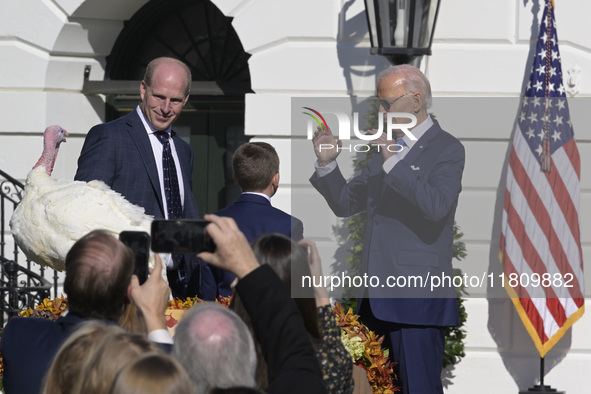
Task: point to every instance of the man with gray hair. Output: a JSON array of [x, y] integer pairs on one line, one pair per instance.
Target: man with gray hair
[[409, 193], [214, 344], [210, 329]]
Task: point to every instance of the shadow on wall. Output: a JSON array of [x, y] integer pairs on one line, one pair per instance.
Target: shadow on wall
[[515, 346], [357, 62], [355, 59]]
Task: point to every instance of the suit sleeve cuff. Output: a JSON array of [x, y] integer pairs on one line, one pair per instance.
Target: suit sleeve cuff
[[322, 171], [160, 336], [390, 163]]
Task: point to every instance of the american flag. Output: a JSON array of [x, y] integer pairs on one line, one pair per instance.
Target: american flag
[[540, 240]]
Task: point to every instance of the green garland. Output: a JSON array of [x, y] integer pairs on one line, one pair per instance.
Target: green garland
[[454, 338]]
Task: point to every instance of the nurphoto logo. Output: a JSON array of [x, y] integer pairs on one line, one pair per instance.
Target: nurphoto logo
[[317, 120]]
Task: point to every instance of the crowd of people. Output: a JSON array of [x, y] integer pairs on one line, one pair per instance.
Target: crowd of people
[[87, 351], [114, 338]]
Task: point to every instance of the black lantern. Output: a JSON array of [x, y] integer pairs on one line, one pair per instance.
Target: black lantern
[[401, 30]]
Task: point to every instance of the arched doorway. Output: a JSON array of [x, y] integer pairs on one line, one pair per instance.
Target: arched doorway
[[196, 32]]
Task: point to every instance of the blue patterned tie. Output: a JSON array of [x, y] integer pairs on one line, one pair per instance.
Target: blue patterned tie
[[171, 191], [400, 141], [170, 179]]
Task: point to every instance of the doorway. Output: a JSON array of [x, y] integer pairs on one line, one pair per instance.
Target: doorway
[[212, 122]]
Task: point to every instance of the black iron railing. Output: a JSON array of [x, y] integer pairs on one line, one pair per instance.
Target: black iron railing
[[20, 287]]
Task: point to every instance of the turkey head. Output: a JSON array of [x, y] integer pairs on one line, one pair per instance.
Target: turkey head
[[53, 136]]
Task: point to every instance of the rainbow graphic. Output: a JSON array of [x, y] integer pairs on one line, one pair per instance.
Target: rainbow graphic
[[322, 125]]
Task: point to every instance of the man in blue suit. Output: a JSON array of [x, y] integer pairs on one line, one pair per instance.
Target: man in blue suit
[[409, 192], [256, 172], [98, 284], [126, 154]]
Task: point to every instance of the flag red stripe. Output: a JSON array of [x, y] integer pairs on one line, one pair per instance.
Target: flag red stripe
[[515, 221], [530, 309], [534, 318], [541, 215], [533, 259], [562, 196], [572, 153], [571, 215]]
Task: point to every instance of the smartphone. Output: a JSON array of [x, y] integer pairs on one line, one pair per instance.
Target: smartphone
[[181, 236], [139, 242]]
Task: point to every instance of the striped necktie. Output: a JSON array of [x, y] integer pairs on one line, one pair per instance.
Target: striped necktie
[[170, 178]]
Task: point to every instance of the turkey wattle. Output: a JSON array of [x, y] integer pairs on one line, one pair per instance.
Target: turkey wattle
[[54, 214]]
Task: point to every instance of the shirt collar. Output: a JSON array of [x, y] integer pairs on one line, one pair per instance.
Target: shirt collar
[[147, 125], [418, 131]]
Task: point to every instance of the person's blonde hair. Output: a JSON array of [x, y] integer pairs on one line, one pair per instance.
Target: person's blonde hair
[[132, 319], [65, 369], [153, 373], [107, 357]]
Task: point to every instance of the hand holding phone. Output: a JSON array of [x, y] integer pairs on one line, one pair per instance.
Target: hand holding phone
[[181, 236], [139, 242]]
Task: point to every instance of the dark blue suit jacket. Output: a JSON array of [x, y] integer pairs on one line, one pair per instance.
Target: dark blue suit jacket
[[255, 217], [119, 153], [28, 346], [409, 231]]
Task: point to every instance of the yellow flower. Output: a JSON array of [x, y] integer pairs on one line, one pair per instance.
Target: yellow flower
[[26, 313], [55, 307], [186, 304], [354, 345], [366, 349]]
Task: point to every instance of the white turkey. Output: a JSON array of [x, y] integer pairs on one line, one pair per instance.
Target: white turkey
[[54, 214]]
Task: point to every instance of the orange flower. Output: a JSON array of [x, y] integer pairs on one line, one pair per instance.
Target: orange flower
[[224, 301], [53, 308], [186, 304], [378, 367]]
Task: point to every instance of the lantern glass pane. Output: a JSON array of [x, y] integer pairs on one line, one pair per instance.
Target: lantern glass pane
[[371, 16], [400, 17], [424, 21], [387, 16], [393, 22], [401, 27]]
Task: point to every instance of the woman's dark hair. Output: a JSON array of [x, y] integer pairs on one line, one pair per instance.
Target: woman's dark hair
[[290, 261]]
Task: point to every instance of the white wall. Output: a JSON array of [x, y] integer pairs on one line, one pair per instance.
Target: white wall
[[481, 50], [320, 49]]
